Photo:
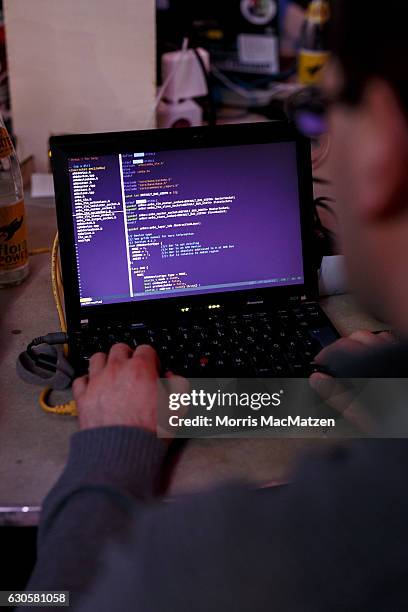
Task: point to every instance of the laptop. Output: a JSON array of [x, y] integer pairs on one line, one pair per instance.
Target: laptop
[[198, 242]]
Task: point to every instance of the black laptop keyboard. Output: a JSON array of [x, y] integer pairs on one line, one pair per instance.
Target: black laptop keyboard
[[280, 343]]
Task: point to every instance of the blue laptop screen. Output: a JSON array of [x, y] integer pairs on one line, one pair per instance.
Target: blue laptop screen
[[186, 222]]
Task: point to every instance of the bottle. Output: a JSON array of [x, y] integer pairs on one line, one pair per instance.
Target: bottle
[[14, 267], [314, 43]]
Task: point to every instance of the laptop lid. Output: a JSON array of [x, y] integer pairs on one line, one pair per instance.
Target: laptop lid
[[164, 220]]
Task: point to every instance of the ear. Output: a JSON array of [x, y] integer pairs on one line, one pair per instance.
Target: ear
[[383, 153]]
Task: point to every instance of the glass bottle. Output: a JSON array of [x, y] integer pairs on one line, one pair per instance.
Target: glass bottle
[[314, 43], [14, 266]]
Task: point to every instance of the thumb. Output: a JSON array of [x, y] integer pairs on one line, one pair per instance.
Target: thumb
[[177, 384], [174, 385], [342, 400]]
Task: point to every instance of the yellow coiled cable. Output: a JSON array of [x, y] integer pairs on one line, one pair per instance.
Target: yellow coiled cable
[[68, 409]]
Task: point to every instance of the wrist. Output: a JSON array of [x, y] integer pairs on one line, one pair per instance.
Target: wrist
[[129, 457]]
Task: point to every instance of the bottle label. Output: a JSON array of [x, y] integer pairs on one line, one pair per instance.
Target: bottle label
[[6, 146], [311, 64], [13, 237]]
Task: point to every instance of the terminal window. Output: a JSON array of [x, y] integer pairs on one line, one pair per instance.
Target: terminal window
[[150, 225]]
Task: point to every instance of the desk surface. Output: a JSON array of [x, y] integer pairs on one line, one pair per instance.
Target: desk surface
[[34, 445]]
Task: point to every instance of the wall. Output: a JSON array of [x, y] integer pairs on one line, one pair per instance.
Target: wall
[[79, 66]]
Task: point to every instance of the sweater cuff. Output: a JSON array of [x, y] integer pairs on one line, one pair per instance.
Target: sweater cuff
[[127, 457]]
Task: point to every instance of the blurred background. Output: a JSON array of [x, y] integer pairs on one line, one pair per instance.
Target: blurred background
[[70, 66]]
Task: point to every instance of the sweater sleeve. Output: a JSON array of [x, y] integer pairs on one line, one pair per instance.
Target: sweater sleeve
[[109, 474], [333, 540]]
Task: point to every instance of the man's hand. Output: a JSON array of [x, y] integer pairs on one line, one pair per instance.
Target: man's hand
[[358, 342], [123, 388], [336, 396]]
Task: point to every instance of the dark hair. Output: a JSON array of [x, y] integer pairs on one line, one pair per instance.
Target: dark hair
[[370, 39]]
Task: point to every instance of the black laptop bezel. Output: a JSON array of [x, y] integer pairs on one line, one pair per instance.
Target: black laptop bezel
[[65, 147]]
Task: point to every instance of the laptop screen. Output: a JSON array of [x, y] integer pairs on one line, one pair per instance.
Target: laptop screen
[[151, 225]]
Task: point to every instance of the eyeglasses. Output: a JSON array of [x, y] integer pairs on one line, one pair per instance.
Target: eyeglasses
[[308, 109]]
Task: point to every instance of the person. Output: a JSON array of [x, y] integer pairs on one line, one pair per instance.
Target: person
[[336, 537]]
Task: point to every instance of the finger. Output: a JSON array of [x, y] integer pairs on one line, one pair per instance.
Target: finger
[[120, 352], [323, 384], [96, 363], [343, 345], [367, 338], [342, 401], [177, 384], [79, 386], [387, 337], [149, 355], [174, 385]]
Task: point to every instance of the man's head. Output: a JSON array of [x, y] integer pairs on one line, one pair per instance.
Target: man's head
[[368, 84]]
